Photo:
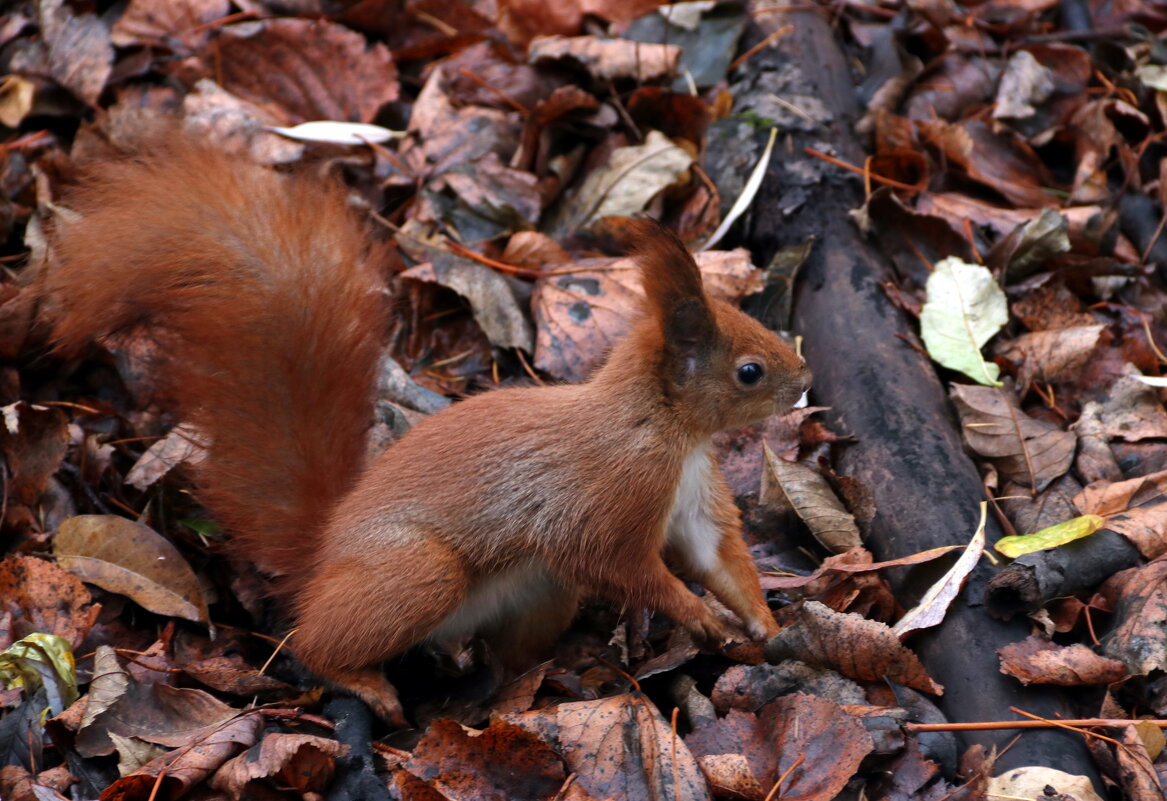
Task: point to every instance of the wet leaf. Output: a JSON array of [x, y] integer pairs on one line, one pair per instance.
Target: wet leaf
[[1139, 636], [1049, 537], [809, 494], [80, 54], [1059, 354], [126, 557], [964, 309], [44, 598]]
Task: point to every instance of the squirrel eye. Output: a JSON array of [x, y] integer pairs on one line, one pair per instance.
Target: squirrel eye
[[750, 373]]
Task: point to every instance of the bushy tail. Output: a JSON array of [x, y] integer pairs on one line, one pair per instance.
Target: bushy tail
[[273, 311]]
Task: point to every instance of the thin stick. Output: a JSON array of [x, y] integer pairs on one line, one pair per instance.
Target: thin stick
[[1040, 723], [465, 252], [879, 179], [279, 647], [760, 46], [510, 101]]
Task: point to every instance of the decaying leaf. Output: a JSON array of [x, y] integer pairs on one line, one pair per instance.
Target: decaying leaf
[[933, 606], [809, 494], [108, 685], [1139, 637], [1036, 660], [608, 59], [180, 446], [33, 440], [1028, 451], [300, 761], [619, 747], [582, 310], [963, 310], [1133, 411], [41, 661], [1057, 354], [1136, 508], [624, 186], [858, 648], [126, 557], [1049, 537], [501, 761], [178, 771], [828, 743], [44, 598], [80, 54]]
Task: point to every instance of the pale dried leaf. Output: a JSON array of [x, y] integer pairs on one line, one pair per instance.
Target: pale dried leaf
[[963, 310], [808, 493], [131, 559], [608, 59]]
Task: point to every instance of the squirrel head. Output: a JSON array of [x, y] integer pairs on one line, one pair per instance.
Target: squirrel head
[[717, 365]]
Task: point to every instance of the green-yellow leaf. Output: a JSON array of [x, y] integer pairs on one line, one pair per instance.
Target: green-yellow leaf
[[41, 660], [1051, 537], [963, 310]]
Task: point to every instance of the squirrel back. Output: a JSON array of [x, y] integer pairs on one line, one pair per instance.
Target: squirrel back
[[273, 311]]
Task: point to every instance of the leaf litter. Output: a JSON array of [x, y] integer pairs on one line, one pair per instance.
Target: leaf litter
[[523, 130]]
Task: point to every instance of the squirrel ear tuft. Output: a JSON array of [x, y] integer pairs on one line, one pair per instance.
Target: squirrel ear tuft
[[674, 292]]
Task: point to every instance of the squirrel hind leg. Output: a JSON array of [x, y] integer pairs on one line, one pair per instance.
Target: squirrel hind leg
[[357, 612], [528, 635]]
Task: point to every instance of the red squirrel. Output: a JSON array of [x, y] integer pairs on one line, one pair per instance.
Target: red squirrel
[[493, 517]]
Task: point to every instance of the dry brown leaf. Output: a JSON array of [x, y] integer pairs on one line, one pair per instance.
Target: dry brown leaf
[[750, 687], [1036, 660], [300, 761], [109, 683], [1028, 451], [730, 776], [608, 59], [859, 561], [1055, 355], [581, 314], [619, 747], [1136, 508], [829, 742], [501, 761], [131, 559], [858, 648], [808, 493], [41, 597], [180, 770], [1095, 460], [80, 54], [302, 70], [156, 713], [230, 674], [179, 447], [1002, 161], [160, 22], [496, 192], [1136, 771], [1139, 636], [1133, 411], [34, 440]]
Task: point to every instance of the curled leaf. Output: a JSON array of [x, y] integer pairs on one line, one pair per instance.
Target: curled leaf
[[809, 494], [41, 660]]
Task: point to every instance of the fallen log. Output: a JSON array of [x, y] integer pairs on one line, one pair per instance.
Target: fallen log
[[886, 394]]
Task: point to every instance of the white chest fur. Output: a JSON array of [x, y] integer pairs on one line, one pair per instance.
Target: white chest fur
[[691, 528]]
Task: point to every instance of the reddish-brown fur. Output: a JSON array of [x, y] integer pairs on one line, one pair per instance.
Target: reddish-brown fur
[[494, 517]]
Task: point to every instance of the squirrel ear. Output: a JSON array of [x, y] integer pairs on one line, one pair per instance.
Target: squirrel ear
[[674, 292]]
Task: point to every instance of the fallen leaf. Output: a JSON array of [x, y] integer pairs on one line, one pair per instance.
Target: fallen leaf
[[1136, 508], [584, 308], [301, 70], [34, 440], [1027, 451], [230, 674], [633, 176], [1036, 660], [159, 23], [1139, 635], [826, 742], [832, 565], [1133, 411], [131, 559], [963, 310], [503, 761], [934, 605], [1050, 537], [1054, 355], [608, 59], [811, 497], [41, 661], [303, 762], [1024, 84], [1034, 781], [176, 772], [79, 51], [1049, 507], [858, 648], [619, 747], [42, 597]]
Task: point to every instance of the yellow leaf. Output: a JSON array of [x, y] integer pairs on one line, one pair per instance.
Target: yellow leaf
[[1055, 535]]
